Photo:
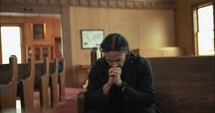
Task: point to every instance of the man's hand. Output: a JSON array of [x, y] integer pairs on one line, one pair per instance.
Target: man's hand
[[115, 73], [110, 80]]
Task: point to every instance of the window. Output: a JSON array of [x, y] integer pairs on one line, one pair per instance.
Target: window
[[204, 30], [10, 41]]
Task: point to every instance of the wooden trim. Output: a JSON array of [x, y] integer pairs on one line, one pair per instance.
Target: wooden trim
[[136, 4]]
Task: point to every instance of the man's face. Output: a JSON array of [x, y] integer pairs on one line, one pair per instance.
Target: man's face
[[115, 58]]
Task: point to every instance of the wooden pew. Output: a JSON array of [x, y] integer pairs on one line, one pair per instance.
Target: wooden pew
[[182, 84], [81, 102], [26, 73], [93, 58], [185, 84], [54, 82], [42, 83], [61, 80], [46, 82], [8, 86]]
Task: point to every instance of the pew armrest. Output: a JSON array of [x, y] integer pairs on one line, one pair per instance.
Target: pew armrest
[[80, 101]]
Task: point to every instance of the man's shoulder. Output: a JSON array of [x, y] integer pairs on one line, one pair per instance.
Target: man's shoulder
[[137, 58]]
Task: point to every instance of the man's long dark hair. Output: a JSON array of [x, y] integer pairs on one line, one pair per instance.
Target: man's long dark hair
[[115, 42]]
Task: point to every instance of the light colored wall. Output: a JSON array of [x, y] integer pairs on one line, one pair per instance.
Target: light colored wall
[[157, 28], [143, 29]]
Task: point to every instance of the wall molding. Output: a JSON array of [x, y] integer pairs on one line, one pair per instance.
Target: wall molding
[[131, 4]]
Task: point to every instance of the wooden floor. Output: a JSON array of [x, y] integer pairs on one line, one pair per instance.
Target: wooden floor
[[69, 105]]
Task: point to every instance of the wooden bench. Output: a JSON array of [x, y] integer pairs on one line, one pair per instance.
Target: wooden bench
[[46, 82], [53, 83], [42, 83], [8, 84], [61, 80], [185, 84], [26, 74], [182, 84]]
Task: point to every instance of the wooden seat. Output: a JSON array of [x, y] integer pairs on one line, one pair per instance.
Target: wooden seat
[[8, 88], [26, 73], [42, 83], [54, 83], [61, 80]]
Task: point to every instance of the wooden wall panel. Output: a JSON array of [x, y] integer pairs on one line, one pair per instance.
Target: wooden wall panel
[[143, 29], [126, 22], [157, 28], [86, 18]]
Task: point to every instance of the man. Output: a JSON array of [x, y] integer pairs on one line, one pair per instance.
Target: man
[[120, 82]]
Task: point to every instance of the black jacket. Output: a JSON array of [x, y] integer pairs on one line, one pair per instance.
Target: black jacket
[[139, 92]]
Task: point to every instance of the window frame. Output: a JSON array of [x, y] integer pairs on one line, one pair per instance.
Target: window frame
[[196, 26]]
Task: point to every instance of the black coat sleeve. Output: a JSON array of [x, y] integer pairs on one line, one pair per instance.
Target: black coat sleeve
[[94, 96], [142, 93]]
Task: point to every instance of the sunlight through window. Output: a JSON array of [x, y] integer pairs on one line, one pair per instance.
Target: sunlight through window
[[10, 43], [206, 33]]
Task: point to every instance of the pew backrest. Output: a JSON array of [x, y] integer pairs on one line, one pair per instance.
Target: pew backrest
[[42, 82], [53, 68], [9, 71], [54, 82], [26, 70], [61, 80], [5, 77], [41, 71], [184, 84], [8, 91], [26, 84]]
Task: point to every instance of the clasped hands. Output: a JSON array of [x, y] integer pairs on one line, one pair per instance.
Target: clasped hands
[[114, 74]]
